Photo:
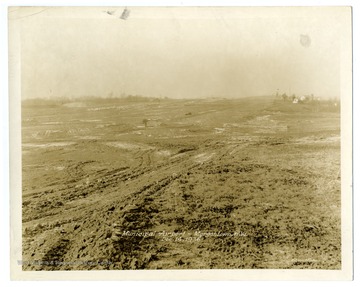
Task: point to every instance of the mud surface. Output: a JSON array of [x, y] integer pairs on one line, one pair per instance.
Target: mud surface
[[251, 183]]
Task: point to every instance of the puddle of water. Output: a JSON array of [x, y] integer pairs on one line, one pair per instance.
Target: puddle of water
[[244, 139], [219, 130], [312, 140], [232, 125], [78, 131], [89, 137], [128, 146], [264, 124], [53, 123], [90, 121], [181, 136], [163, 153], [75, 105], [200, 158], [47, 145]]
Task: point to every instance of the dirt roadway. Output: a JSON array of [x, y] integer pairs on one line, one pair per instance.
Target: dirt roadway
[[206, 190]]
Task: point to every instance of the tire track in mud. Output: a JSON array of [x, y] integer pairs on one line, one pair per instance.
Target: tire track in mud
[[83, 216], [102, 182], [52, 198], [77, 213], [137, 252], [144, 158], [149, 250], [96, 231], [131, 252], [138, 205], [137, 210]]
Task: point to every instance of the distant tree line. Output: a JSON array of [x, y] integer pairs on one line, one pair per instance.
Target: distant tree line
[[56, 101]]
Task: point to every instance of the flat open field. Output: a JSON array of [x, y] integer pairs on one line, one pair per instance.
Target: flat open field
[[247, 183]]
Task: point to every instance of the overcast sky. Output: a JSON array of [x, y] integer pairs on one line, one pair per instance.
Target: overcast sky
[[179, 52]]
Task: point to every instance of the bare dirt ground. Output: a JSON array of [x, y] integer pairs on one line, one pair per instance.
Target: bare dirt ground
[[250, 183]]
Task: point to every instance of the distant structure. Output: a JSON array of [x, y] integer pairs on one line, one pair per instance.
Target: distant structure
[[311, 101], [303, 99], [277, 93], [145, 122]]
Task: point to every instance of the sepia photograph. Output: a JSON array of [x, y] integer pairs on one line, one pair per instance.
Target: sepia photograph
[[174, 139]]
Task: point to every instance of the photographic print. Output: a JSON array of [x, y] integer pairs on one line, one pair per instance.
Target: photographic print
[[181, 139]]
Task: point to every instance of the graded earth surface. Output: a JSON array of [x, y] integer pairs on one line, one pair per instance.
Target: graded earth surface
[[180, 184]]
